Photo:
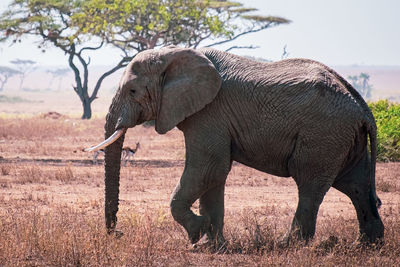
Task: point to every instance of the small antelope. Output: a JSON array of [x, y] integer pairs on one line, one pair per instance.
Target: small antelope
[[96, 154], [127, 153]]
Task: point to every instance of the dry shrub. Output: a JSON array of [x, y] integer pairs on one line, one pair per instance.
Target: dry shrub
[[251, 234], [30, 174], [4, 183], [39, 128], [5, 169], [43, 174], [67, 237], [37, 174], [64, 175], [387, 186]]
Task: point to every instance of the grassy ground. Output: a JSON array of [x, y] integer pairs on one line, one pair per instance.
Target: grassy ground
[[51, 206]]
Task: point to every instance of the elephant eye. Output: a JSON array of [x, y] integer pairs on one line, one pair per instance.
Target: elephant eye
[[133, 91]]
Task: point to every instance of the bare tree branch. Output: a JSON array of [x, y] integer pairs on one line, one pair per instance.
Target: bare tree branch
[[78, 87], [85, 70], [123, 63], [240, 34], [241, 47], [91, 48]]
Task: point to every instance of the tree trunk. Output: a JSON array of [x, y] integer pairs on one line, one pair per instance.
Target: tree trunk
[[87, 109], [3, 82], [21, 81]]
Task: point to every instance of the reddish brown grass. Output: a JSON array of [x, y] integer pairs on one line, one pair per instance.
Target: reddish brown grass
[[51, 207]]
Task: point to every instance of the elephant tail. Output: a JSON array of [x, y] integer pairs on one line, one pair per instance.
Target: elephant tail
[[372, 130], [373, 148]]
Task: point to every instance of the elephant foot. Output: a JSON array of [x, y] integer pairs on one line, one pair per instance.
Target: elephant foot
[[290, 239], [116, 233], [197, 228], [365, 242], [284, 242], [372, 233], [209, 245]]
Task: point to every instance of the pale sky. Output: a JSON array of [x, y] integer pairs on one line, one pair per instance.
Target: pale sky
[[339, 32]]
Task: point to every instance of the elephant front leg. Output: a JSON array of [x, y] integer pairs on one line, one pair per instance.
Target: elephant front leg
[[188, 190], [212, 206], [209, 187], [208, 163]]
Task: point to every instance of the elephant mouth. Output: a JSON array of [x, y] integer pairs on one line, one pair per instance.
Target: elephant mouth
[[117, 134]]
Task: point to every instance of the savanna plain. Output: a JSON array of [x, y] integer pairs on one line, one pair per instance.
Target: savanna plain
[[52, 194]]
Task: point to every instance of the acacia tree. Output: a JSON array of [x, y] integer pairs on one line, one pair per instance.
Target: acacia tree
[[128, 25], [51, 21], [24, 66], [5, 74], [134, 26], [361, 84], [57, 73]]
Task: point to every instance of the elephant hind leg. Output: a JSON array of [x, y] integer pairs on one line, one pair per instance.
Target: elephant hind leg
[[303, 225], [314, 167], [356, 184]]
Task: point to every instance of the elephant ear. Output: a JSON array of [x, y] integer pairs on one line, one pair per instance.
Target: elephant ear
[[190, 82]]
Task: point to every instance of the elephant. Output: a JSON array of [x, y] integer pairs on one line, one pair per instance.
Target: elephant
[[292, 118]]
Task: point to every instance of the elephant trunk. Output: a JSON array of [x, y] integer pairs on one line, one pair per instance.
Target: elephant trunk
[[112, 161], [119, 119]]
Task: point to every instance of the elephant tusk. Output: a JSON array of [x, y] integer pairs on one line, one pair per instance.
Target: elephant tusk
[[108, 141]]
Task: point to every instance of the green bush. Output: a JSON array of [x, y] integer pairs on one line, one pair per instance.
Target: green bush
[[387, 116]]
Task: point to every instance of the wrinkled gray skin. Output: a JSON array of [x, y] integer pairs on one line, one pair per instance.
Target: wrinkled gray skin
[[294, 117]]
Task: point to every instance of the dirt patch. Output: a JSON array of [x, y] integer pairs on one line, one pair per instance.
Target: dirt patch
[[88, 162], [52, 115]]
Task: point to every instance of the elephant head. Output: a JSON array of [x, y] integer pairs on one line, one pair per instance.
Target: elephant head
[[166, 85]]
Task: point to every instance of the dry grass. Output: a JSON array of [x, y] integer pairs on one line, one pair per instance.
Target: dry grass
[[68, 237], [51, 207]]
